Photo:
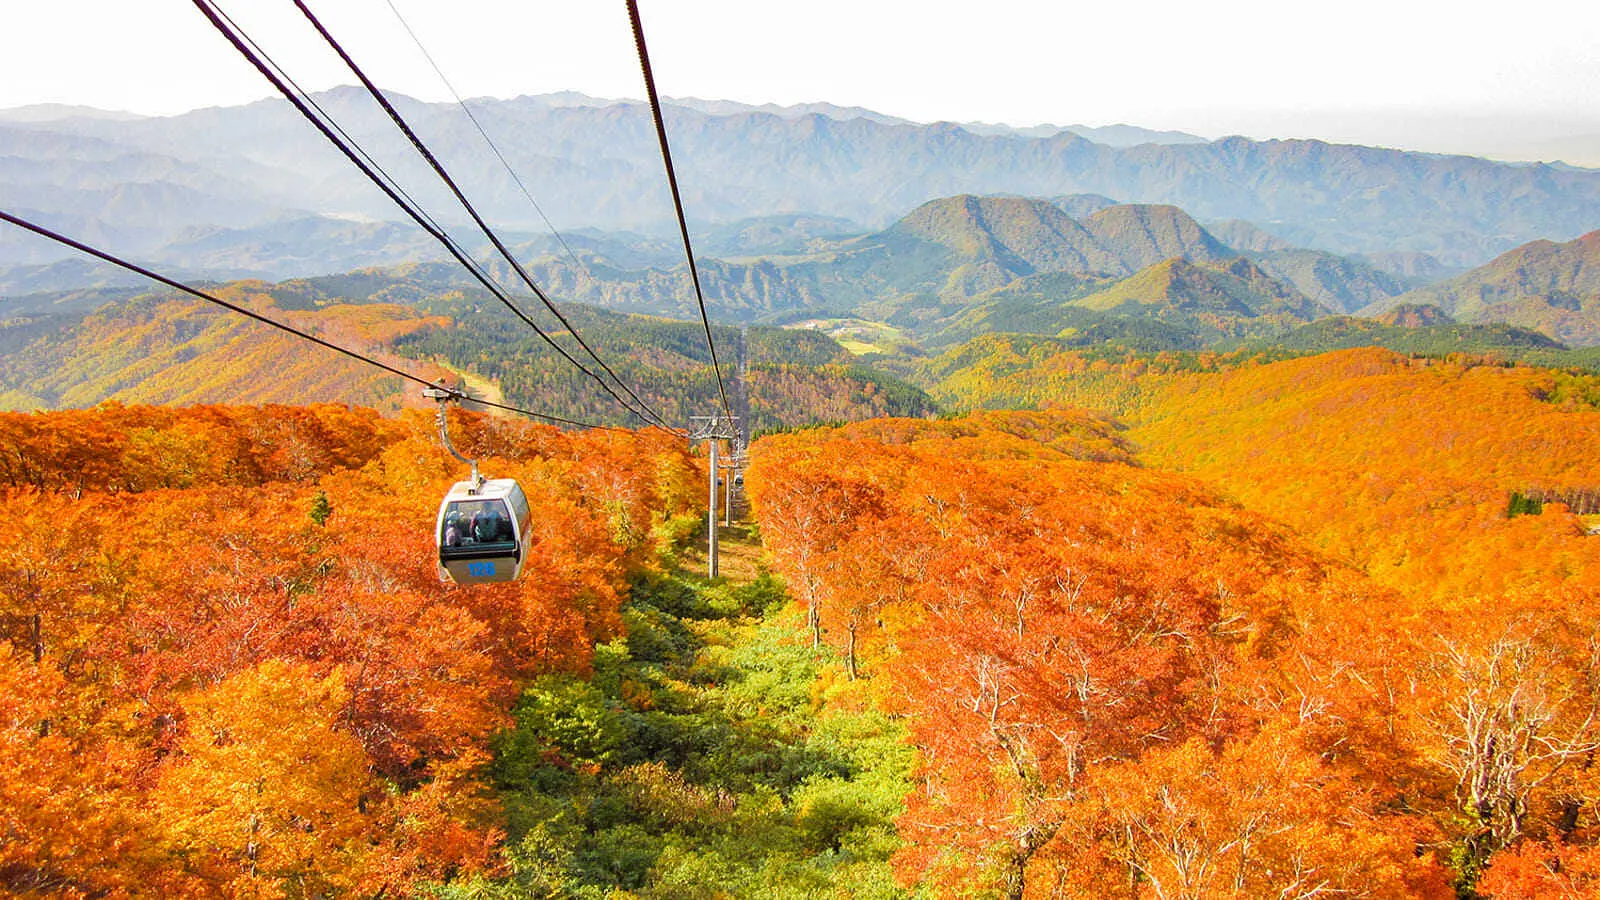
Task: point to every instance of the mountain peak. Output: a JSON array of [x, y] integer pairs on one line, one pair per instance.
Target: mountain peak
[[1018, 234], [1142, 234], [1553, 287], [1234, 288], [1247, 237]]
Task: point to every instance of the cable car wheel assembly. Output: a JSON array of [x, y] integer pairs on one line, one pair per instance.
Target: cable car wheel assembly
[[482, 528]]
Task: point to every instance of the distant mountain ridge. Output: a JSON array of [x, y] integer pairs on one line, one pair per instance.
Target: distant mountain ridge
[[1247, 236], [1012, 236], [1119, 135], [1021, 259], [944, 254], [53, 112], [143, 183], [967, 265], [1029, 236]]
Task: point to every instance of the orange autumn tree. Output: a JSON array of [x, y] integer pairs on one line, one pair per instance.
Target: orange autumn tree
[[264, 791], [812, 520], [1051, 619], [1263, 817], [115, 448], [1510, 711], [70, 818], [1538, 870], [1408, 470], [173, 622]]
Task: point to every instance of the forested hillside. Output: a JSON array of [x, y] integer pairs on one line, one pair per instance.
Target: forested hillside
[[1217, 297], [1116, 370], [1406, 467], [1121, 683], [158, 348], [1340, 283], [162, 348], [1545, 285], [792, 377], [1425, 331], [1402, 466], [1293, 627]]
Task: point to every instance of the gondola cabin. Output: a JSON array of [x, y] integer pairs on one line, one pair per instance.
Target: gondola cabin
[[483, 532]]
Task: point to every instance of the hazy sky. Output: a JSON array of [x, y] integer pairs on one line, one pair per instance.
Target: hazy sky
[[1368, 70]]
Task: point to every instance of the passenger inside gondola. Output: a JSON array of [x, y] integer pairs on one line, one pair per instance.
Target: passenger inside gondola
[[484, 529], [473, 522]]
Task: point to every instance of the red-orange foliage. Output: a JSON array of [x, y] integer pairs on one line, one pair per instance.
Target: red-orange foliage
[[167, 641], [1402, 466], [1067, 637], [1542, 871], [137, 448], [1051, 624], [69, 816]]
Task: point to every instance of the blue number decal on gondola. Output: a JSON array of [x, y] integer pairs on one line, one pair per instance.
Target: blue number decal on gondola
[[480, 569]]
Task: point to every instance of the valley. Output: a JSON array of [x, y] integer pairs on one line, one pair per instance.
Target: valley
[[943, 282]]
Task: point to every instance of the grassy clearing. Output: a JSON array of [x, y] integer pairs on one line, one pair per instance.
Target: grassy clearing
[[859, 336], [712, 754]]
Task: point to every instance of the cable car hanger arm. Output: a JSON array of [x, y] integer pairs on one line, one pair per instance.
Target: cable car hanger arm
[[446, 396]]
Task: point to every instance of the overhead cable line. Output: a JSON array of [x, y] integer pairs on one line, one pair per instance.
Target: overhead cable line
[[411, 206], [234, 307], [417, 213], [439, 169], [391, 185], [270, 70], [486, 139], [677, 199]]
